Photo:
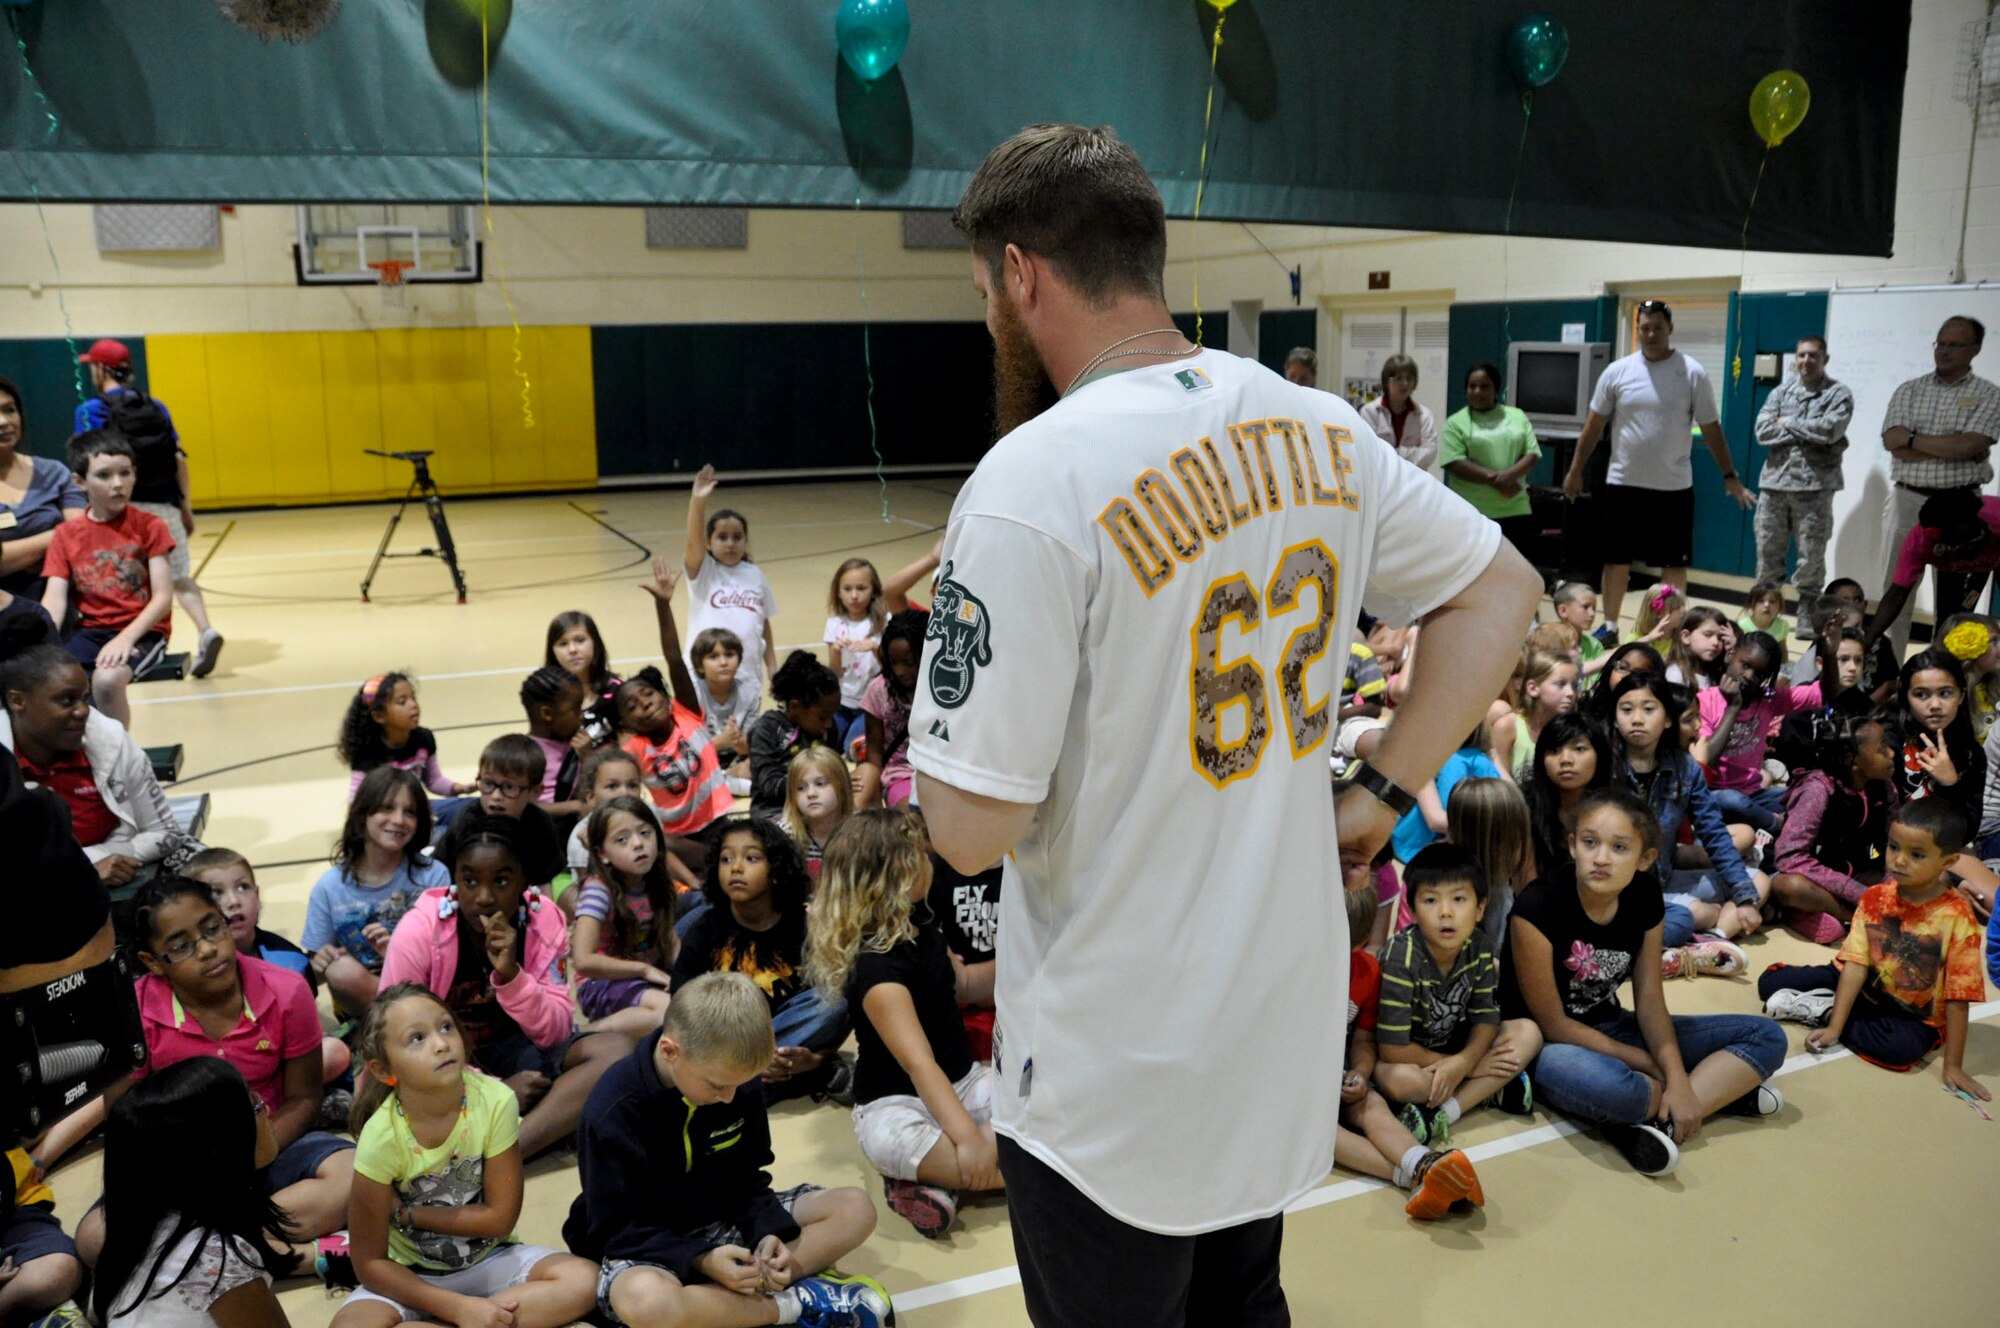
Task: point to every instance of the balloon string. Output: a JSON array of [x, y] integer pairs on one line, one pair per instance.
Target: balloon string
[[868, 363], [1507, 227], [1201, 172], [34, 192], [1743, 268], [486, 210]]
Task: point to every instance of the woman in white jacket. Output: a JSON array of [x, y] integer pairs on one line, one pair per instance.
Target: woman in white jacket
[[1399, 419], [117, 810]]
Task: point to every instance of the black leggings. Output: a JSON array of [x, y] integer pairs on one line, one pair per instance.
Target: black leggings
[[1083, 1268], [1877, 1031]]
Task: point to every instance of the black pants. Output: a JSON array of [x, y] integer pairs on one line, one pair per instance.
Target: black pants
[[1958, 592], [1877, 1031], [1083, 1268]]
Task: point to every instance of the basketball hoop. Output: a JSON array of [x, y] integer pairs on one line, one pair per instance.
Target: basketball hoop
[[390, 274]]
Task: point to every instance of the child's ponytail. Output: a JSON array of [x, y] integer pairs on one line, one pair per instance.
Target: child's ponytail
[[370, 1049]]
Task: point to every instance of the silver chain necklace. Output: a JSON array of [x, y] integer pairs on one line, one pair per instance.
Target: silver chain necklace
[[1106, 353]]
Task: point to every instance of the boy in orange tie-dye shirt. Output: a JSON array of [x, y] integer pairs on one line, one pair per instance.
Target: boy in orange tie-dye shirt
[[1910, 967]]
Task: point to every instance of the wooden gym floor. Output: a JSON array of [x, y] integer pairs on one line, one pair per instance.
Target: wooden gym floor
[[1789, 1221]]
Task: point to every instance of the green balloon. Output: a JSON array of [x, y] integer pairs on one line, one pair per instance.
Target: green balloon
[[451, 29], [1536, 49]]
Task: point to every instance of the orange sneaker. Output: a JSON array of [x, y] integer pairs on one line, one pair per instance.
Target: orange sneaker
[[1448, 1179]]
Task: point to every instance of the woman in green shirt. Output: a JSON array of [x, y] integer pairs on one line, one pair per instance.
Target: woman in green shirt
[[1487, 452]]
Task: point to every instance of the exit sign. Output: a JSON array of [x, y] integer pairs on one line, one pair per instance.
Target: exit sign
[[1378, 281]]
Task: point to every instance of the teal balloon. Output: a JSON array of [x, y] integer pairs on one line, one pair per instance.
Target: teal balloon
[[871, 35], [1536, 49]]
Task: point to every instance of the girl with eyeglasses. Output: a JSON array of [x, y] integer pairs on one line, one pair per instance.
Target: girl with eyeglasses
[[201, 999]]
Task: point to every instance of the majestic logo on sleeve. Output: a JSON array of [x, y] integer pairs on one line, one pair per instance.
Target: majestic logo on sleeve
[[960, 627]]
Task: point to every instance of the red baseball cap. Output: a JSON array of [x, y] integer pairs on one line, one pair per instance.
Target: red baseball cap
[[111, 354]]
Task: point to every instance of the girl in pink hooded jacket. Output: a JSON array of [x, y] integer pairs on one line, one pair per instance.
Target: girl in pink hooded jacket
[[497, 954]]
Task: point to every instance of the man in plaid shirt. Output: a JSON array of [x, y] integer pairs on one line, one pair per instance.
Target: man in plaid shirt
[[1939, 430], [1803, 426]]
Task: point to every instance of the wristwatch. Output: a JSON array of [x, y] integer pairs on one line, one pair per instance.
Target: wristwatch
[[1386, 790]]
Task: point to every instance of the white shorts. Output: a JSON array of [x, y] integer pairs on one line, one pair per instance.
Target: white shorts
[[1347, 738], [507, 1267], [897, 1133]]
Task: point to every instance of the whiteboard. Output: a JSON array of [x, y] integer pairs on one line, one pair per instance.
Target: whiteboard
[[1877, 339]]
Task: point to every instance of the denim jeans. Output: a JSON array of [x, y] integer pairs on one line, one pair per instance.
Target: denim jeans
[[1601, 1089], [811, 1021], [1679, 926], [1760, 809]]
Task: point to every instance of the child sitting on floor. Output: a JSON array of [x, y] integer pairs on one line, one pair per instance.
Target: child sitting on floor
[[1737, 719], [621, 945], [1443, 1050], [1700, 651], [923, 1106], [887, 704], [113, 566], [437, 1186], [1645, 1078], [731, 698], [967, 909], [755, 924], [553, 700], [853, 636], [190, 1248], [575, 646], [45, 1269], [378, 871], [607, 773], [381, 728], [1910, 968], [1836, 824], [510, 776], [676, 759], [1764, 611], [200, 998], [497, 954], [675, 1202], [1370, 1139], [819, 795], [1576, 604], [807, 693]]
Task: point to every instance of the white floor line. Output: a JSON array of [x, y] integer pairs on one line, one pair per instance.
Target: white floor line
[[521, 670], [1000, 1278]]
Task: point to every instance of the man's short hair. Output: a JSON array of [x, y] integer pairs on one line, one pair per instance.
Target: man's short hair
[[1817, 341], [1977, 328], [1303, 355], [1659, 307], [1078, 197], [514, 756], [723, 1019], [93, 443]]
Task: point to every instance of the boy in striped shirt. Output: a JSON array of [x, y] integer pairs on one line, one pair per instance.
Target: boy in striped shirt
[[1439, 1035]]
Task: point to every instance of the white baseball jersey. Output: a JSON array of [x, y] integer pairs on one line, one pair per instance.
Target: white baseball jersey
[[1140, 626]]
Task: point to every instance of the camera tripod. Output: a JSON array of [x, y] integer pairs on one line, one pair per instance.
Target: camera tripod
[[420, 484]]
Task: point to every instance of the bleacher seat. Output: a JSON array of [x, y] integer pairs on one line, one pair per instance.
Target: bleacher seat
[[171, 668], [167, 762], [192, 812]]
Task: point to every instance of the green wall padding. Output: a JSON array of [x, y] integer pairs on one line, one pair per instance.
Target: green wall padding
[[672, 398], [1278, 330], [45, 371]]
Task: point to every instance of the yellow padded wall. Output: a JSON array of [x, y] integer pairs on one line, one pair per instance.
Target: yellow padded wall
[[285, 418]]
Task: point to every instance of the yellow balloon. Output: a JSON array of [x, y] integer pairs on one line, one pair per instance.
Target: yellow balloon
[[1220, 5], [1778, 105]]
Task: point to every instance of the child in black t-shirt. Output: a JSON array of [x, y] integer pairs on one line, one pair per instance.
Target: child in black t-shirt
[[923, 1106], [967, 910], [755, 924], [1647, 1079], [510, 782]]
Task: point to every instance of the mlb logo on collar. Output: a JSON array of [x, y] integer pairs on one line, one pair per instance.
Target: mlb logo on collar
[[1194, 380]]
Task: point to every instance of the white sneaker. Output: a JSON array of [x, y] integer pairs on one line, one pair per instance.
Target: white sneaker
[[205, 653], [1811, 1008], [1763, 1100]]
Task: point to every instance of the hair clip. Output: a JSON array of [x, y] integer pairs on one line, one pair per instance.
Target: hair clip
[[1663, 594], [371, 688], [449, 904]]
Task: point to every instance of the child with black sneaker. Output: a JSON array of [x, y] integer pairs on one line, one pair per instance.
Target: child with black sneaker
[[1645, 1078], [1910, 967], [675, 1202], [1443, 1050], [1370, 1139]]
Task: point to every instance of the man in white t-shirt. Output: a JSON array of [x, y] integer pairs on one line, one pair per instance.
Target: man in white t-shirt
[[1128, 690], [1652, 399]]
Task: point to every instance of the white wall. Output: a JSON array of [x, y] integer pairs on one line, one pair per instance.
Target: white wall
[[579, 265]]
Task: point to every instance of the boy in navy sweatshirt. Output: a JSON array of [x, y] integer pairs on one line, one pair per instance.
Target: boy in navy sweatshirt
[[675, 1203]]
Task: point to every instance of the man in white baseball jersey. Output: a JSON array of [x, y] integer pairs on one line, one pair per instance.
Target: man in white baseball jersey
[[1133, 664]]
